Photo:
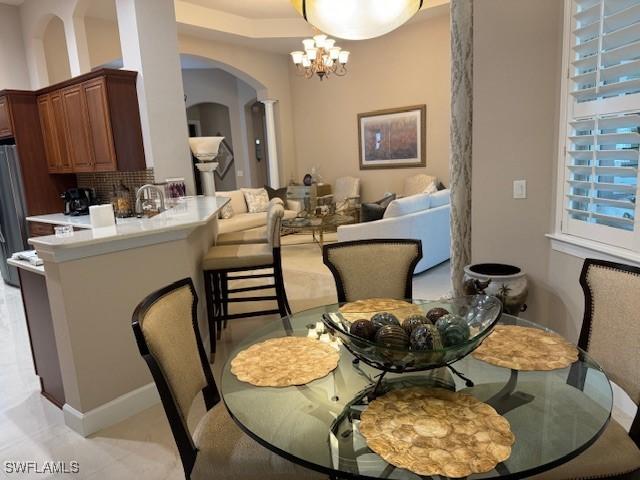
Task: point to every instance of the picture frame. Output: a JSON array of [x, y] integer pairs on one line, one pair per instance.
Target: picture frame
[[393, 138]]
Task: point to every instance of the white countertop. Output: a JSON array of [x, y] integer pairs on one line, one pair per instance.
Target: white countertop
[[82, 221], [169, 225], [39, 269]]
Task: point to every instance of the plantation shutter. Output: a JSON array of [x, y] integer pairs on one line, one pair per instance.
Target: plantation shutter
[[603, 144]]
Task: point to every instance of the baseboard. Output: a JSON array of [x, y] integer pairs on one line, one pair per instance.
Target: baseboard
[[112, 412]]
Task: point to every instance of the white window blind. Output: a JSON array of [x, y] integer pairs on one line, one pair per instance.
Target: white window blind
[[603, 131]]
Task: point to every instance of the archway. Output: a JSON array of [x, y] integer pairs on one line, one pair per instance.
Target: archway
[[208, 82], [55, 50], [209, 119]]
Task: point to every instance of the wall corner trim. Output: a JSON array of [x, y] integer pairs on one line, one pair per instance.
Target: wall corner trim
[[112, 412]]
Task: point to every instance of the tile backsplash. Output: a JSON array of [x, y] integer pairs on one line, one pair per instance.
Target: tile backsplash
[[103, 182]]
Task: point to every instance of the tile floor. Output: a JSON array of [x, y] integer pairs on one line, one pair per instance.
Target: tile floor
[[140, 447]]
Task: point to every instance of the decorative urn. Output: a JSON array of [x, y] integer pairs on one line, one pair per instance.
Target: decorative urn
[[507, 282]]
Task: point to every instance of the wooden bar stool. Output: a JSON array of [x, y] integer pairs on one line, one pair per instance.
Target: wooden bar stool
[[228, 263]]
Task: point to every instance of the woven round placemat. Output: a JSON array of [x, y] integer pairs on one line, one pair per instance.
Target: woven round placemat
[[524, 348], [283, 362], [369, 307], [432, 431]]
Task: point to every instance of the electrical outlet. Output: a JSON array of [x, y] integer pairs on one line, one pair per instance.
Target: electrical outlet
[[519, 189], [239, 173]]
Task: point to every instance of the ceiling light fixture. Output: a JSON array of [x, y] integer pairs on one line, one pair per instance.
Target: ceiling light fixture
[[321, 57], [357, 19]]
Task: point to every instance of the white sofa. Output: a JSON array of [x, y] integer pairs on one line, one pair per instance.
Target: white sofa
[[242, 219], [421, 217]]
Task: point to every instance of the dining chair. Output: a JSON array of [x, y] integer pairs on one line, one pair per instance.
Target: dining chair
[[611, 334], [166, 330], [254, 235], [228, 263], [373, 268]]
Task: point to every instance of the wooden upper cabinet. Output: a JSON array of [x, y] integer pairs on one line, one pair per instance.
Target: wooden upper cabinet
[[92, 123], [77, 129], [5, 118], [47, 126], [104, 156], [57, 112]]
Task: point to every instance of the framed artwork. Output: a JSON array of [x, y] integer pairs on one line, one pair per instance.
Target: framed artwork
[[394, 138]]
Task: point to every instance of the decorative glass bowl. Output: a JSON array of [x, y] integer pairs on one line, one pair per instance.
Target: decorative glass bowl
[[479, 312]]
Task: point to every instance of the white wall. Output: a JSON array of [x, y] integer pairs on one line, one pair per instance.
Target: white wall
[[13, 73], [56, 52], [516, 97], [410, 66]]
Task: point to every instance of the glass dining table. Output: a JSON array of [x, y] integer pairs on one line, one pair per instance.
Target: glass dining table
[[554, 415]]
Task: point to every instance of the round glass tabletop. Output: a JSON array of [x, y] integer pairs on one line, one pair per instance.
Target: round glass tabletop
[[554, 415]]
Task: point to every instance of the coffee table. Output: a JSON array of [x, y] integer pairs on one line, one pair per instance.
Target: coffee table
[[317, 226]]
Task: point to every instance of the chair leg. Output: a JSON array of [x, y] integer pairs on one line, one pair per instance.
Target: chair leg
[[217, 296], [225, 294], [210, 312]]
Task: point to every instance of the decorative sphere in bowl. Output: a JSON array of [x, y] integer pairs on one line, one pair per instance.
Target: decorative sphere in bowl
[[467, 322]]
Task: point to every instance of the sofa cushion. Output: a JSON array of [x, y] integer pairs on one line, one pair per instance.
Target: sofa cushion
[[238, 204], [438, 199], [407, 205], [243, 221], [227, 211], [257, 199]]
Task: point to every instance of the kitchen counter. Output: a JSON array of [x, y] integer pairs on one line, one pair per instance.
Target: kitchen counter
[[62, 219], [23, 264], [95, 278], [172, 224]]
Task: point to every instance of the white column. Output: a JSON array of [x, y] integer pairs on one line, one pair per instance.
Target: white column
[[461, 138], [149, 41], [77, 46], [272, 144]]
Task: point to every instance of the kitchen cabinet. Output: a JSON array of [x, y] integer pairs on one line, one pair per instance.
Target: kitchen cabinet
[[104, 157], [5, 118], [40, 229], [76, 128], [97, 128]]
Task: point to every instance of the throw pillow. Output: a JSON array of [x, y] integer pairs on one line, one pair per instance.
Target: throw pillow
[[408, 205], [257, 199], [431, 188], [370, 212], [441, 186], [227, 211], [280, 193]]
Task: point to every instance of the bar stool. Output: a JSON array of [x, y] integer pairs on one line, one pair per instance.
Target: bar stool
[[255, 235], [222, 264]]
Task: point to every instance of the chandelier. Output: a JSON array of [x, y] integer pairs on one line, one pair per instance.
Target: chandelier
[[321, 57], [357, 19]]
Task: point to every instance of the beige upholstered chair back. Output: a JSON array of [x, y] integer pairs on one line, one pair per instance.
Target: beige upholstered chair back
[[346, 187], [274, 221], [611, 327], [167, 327], [373, 268], [417, 184]]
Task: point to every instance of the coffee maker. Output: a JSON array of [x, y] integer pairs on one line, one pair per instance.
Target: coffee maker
[[78, 200]]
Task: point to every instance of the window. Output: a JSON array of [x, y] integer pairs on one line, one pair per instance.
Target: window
[[602, 122]]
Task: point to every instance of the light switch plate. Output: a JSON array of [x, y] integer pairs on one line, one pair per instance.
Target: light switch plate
[[519, 189], [240, 173]]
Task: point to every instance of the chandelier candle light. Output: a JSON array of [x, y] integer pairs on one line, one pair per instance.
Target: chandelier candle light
[[321, 57]]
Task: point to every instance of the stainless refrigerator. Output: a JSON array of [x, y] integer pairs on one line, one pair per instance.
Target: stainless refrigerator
[[13, 232]]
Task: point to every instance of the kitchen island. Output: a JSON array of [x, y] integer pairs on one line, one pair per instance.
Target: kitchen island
[[95, 279]]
